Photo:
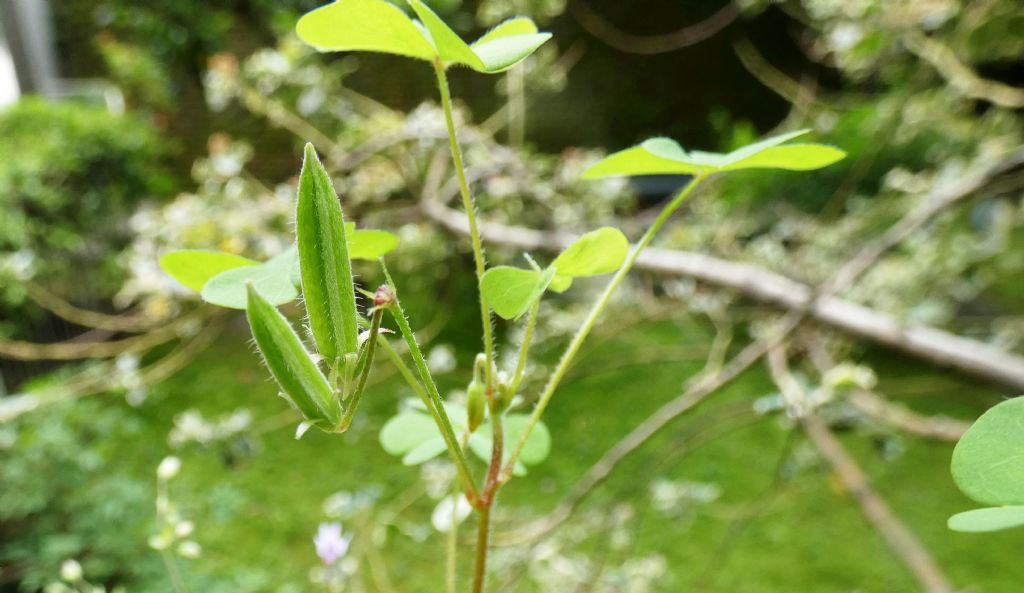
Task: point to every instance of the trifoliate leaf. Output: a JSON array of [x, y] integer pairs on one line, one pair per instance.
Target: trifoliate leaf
[[664, 156]]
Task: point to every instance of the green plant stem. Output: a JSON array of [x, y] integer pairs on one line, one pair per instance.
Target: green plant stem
[[483, 533], [435, 404], [524, 348], [172, 571], [453, 544], [588, 324], [406, 372], [371, 349], [467, 204]]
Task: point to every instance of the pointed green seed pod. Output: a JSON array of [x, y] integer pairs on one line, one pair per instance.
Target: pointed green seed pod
[[324, 261], [300, 380]]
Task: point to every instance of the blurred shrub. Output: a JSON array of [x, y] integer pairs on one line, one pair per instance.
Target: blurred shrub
[[70, 176], [67, 494]]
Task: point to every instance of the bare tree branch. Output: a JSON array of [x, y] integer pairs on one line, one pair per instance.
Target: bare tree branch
[[614, 37], [931, 344], [900, 539], [959, 75]]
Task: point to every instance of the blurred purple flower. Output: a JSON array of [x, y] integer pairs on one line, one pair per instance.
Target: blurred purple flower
[[330, 543]]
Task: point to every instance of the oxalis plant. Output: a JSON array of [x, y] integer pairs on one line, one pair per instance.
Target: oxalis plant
[[325, 380]]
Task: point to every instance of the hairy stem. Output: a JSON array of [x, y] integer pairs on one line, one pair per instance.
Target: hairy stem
[[467, 204], [436, 405], [588, 324], [364, 371], [524, 348]]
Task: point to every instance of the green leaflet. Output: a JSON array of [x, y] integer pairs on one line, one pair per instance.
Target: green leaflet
[[990, 519], [326, 270], [379, 26], [660, 156], [511, 291], [193, 267], [413, 435], [300, 380], [369, 244], [271, 278], [364, 25], [988, 462], [597, 252]]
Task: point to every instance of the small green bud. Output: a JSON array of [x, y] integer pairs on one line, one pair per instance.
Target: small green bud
[[505, 396], [476, 405]]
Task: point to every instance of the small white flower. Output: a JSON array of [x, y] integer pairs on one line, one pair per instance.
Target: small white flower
[[441, 518], [71, 571], [168, 468], [189, 549]]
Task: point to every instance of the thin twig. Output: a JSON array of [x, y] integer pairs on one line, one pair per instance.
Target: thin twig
[[900, 539]]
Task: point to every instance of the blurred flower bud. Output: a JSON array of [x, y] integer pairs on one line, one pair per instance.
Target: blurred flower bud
[[71, 571], [168, 468]]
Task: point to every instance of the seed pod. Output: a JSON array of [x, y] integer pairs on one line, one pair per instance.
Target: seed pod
[[324, 261], [300, 380], [476, 405]]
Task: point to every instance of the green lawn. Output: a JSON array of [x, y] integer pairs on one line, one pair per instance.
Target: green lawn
[[256, 517]]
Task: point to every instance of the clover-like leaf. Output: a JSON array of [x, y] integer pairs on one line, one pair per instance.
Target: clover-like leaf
[[988, 462], [300, 380], [511, 291], [327, 284], [364, 25], [988, 519], [597, 252], [379, 26], [413, 435], [664, 156], [369, 244], [194, 267], [272, 278]]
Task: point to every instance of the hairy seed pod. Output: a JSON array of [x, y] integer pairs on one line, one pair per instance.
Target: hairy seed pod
[[300, 380], [324, 261]]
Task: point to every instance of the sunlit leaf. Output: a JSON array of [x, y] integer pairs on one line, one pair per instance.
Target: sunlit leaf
[[664, 156], [300, 380], [193, 268], [510, 28], [501, 53], [364, 25], [988, 462], [379, 26], [597, 252], [327, 285], [370, 244], [511, 291], [273, 280], [990, 519], [791, 157], [451, 47]]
